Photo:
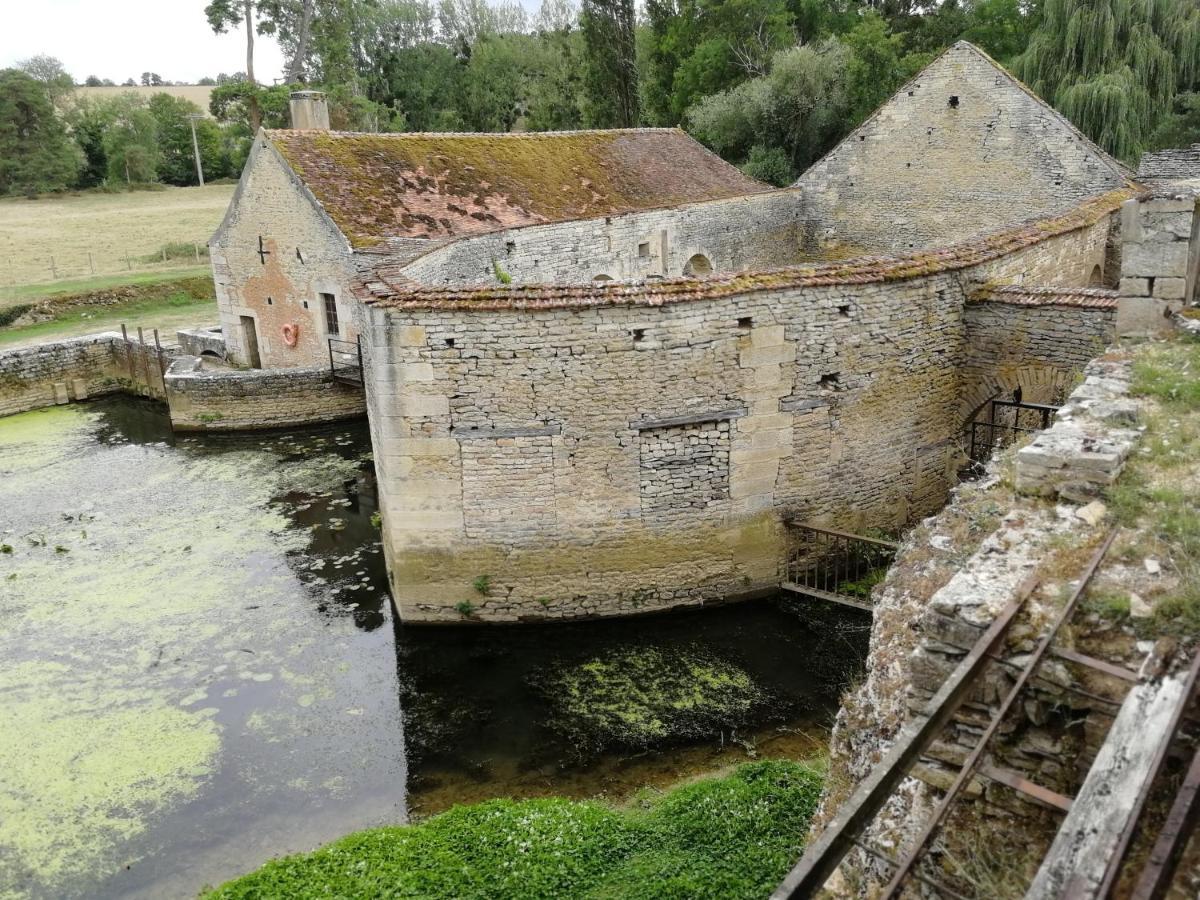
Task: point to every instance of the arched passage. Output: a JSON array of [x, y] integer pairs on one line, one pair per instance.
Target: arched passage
[[699, 264]]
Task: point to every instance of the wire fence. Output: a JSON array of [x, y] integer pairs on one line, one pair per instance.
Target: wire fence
[[43, 269]]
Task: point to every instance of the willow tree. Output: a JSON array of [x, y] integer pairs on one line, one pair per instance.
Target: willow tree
[[1113, 67]]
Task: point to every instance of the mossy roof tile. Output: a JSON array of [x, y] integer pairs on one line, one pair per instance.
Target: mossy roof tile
[[378, 187]]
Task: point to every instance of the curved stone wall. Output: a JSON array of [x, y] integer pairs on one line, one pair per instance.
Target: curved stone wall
[[561, 452], [758, 231]]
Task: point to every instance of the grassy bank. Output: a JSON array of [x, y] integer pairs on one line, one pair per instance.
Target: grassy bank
[[165, 303], [730, 837]]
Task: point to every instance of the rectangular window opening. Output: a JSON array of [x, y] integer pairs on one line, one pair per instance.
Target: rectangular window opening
[[644, 250], [331, 314]]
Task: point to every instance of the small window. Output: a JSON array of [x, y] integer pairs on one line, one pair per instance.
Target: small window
[[644, 250], [270, 302], [449, 342], [305, 304], [745, 323], [954, 101], [639, 334], [603, 277], [698, 265], [331, 314]]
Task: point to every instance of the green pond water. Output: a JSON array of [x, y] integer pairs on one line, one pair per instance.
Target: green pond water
[[200, 669]]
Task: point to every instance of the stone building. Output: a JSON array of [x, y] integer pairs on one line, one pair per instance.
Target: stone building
[[603, 368]]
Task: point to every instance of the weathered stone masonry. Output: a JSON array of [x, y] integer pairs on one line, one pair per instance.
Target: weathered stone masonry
[[596, 457]]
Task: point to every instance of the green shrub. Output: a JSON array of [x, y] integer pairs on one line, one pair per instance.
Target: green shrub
[[731, 837], [12, 313]]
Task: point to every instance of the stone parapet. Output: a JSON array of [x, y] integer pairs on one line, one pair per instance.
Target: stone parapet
[[220, 399]]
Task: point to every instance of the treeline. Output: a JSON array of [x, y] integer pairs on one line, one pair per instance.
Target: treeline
[[769, 84]]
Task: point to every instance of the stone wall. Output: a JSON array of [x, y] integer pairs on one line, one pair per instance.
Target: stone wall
[[755, 232], [1037, 340], [75, 369], [601, 458], [219, 399], [961, 149], [303, 255], [1160, 259]]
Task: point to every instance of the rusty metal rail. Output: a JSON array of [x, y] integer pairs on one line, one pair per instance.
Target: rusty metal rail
[[824, 856]]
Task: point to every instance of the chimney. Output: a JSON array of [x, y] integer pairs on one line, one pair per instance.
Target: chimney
[[309, 111]]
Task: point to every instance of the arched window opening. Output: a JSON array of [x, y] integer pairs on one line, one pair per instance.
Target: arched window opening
[[698, 265], [1097, 279], [603, 277]]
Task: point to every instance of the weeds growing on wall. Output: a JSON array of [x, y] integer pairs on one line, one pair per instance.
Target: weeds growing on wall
[[728, 838]]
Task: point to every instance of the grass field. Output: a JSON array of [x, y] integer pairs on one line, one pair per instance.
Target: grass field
[[109, 226]]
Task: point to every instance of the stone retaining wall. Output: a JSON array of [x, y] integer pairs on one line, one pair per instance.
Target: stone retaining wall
[[75, 369], [204, 399]]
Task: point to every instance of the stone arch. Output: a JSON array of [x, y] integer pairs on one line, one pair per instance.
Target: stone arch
[[1097, 277], [1039, 384], [699, 264], [602, 277]]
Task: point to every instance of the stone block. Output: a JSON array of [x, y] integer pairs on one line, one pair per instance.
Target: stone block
[[1154, 260], [411, 336], [431, 405], [1131, 221], [1143, 315], [767, 336], [79, 389], [1135, 287], [60, 393], [402, 447], [1170, 288]]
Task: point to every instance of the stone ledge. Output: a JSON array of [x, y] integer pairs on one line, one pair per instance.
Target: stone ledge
[[487, 434], [723, 415]]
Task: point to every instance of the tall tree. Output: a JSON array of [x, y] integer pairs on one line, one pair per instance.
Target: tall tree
[[35, 152], [610, 63], [1114, 66], [225, 14], [50, 73]]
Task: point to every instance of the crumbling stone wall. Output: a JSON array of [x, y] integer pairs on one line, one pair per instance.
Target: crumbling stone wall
[[758, 231], [202, 399], [961, 149], [304, 255]]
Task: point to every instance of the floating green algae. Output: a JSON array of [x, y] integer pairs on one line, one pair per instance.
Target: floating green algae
[[145, 580], [84, 767], [640, 696]]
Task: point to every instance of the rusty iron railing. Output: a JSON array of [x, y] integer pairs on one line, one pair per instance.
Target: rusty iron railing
[[1007, 421], [345, 361], [836, 565]]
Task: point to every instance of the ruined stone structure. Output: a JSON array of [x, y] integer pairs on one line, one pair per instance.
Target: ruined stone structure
[[601, 368]]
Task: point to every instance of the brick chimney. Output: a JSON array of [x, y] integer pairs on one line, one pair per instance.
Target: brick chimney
[[309, 111]]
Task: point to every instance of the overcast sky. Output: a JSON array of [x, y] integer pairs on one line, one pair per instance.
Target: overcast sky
[[121, 39]]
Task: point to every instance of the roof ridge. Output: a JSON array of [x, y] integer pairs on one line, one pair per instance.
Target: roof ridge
[[491, 135]]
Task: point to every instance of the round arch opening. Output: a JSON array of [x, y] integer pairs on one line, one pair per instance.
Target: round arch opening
[[699, 264]]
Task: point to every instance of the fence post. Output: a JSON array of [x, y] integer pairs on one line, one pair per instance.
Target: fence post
[[196, 247], [91, 263], [128, 264], [53, 269]]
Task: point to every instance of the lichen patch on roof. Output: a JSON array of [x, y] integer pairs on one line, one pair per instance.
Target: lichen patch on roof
[[377, 187]]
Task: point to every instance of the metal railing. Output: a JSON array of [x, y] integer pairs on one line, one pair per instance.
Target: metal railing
[[1007, 421], [345, 361], [836, 565]]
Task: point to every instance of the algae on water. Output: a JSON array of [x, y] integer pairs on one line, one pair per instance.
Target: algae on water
[[641, 696]]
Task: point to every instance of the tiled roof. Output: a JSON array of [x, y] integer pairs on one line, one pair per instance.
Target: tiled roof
[[1020, 295], [1179, 163], [379, 289], [381, 186]]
